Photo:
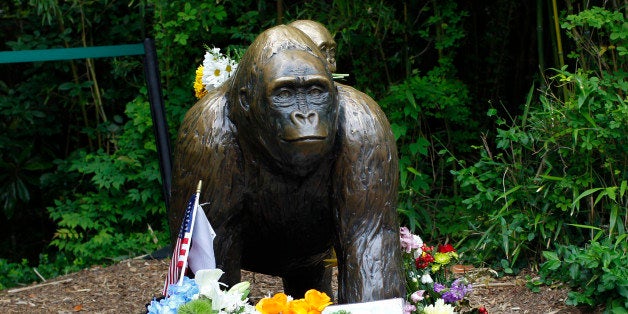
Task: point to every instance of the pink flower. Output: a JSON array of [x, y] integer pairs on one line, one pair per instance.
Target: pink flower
[[409, 241], [417, 296], [408, 308]]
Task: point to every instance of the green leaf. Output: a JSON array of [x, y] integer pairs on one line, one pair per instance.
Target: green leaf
[[66, 86], [550, 256], [585, 194], [585, 226]]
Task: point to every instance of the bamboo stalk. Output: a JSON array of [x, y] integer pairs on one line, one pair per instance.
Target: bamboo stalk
[[559, 44], [539, 36]]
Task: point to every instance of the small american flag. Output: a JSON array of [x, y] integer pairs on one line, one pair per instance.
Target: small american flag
[[179, 261]]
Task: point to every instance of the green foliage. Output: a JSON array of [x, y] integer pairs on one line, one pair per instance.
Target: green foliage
[[564, 164], [112, 218], [601, 38], [49, 109], [102, 191], [15, 272], [429, 113], [559, 166], [597, 273], [12, 274]]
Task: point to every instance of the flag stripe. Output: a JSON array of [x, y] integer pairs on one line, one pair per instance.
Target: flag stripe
[[180, 251]]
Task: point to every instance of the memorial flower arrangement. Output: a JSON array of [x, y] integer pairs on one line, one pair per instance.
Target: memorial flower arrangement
[[215, 70], [204, 295], [430, 286]]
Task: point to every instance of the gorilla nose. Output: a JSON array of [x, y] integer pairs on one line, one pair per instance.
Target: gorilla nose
[[301, 119]]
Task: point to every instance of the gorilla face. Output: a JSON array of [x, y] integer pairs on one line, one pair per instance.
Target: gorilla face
[[299, 110]]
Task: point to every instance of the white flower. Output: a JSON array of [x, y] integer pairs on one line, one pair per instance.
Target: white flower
[[217, 68], [240, 288], [439, 307], [207, 281], [222, 301], [426, 278], [418, 244]]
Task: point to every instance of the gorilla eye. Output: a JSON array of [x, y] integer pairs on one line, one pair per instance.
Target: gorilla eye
[[317, 94], [283, 96], [315, 91], [284, 93]]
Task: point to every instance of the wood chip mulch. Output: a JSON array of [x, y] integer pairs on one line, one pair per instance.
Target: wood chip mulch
[[127, 286]]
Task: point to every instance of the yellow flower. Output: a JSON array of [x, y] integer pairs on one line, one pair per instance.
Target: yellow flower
[[435, 267], [313, 303], [299, 306], [275, 305], [442, 258], [316, 299], [199, 88]]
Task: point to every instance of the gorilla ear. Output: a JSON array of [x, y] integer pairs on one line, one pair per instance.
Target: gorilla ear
[[244, 99]]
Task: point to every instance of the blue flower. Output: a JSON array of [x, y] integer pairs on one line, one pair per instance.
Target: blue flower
[[177, 296]]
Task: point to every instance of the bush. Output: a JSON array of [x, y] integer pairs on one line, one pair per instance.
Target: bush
[[555, 175], [597, 273]]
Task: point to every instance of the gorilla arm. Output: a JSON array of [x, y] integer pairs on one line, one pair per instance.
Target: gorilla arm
[[365, 194], [206, 150]]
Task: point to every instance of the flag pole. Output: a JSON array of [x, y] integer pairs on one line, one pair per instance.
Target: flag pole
[[196, 206]]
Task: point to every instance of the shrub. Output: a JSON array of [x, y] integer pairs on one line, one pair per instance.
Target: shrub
[[596, 273]]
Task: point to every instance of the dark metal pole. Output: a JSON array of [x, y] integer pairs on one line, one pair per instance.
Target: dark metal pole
[[158, 113]]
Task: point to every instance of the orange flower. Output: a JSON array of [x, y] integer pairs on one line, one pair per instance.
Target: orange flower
[[275, 305], [299, 306], [318, 300], [313, 303]]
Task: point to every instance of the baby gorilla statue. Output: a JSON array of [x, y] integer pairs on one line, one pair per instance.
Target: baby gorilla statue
[[292, 166]]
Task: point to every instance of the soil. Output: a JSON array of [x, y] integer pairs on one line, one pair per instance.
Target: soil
[[127, 286]]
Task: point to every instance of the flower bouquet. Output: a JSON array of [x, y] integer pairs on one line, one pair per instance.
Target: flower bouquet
[[204, 294], [215, 70], [430, 285]]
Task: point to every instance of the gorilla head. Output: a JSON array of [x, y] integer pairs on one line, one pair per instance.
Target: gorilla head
[[284, 102], [321, 37]]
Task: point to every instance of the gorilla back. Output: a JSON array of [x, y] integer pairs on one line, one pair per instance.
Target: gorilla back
[[294, 164]]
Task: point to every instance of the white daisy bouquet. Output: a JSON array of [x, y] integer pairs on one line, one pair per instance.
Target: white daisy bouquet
[[215, 70]]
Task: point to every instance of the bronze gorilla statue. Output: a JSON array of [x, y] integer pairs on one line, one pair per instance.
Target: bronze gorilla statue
[[292, 165]]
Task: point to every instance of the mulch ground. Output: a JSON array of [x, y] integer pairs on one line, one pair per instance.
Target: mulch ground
[[127, 286]]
